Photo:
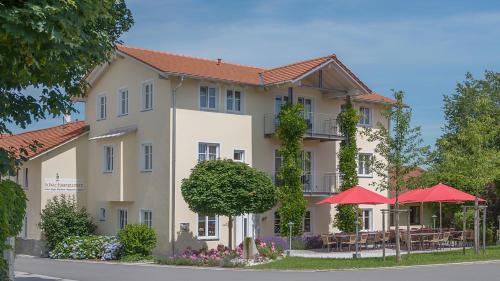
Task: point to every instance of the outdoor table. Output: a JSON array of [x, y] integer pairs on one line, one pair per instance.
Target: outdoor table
[[421, 236]]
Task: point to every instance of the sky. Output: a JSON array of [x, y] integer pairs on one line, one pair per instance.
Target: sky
[[421, 47]]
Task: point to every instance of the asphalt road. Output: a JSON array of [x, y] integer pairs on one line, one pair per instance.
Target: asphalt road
[[87, 271]]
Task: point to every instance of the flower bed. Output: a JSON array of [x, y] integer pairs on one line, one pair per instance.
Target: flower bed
[[87, 247]]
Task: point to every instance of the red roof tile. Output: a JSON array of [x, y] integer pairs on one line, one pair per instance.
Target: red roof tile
[[49, 138], [374, 97], [213, 69]]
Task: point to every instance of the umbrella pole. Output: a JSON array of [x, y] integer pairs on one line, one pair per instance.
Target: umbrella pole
[[422, 215], [357, 233], [440, 217]]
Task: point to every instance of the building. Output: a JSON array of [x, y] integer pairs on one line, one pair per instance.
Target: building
[[152, 116]]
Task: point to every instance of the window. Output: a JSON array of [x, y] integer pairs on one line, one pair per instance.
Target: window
[[208, 151], [414, 215], [108, 159], [122, 218], [307, 222], [147, 157], [364, 116], [26, 178], [279, 102], [207, 227], [122, 102], [364, 164], [147, 217], [277, 223], [234, 101], [366, 218], [24, 229], [102, 214], [239, 155], [101, 107], [278, 159], [208, 98], [147, 95]]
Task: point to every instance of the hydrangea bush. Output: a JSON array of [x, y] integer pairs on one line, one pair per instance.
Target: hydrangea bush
[[221, 256], [87, 247]]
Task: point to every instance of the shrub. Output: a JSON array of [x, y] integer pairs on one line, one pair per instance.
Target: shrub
[[469, 219], [269, 250], [221, 256], [62, 218], [306, 242], [137, 239], [87, 247]]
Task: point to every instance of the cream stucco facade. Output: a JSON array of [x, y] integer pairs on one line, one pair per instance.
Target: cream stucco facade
[[130, 188]]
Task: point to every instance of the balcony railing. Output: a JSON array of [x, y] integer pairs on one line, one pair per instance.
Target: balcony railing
[[315, 183], [319, 126]]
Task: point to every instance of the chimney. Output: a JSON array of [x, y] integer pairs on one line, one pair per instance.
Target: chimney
[[219, 60]]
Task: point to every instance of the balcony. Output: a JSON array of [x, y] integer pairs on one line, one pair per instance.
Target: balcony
[[316, 184], [320, 126]]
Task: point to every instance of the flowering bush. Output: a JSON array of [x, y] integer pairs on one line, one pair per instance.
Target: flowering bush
[[221, 256], [268, 250], [280, 242], [306, 242], [87, 247]]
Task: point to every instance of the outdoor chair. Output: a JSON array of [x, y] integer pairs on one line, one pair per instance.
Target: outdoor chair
[[435, 240], [445, 240], [387, 237], [328, 241], [377, 239], [363, 240], [416, 240], [350, 242]]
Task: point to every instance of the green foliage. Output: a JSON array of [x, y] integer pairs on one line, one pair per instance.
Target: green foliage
[[346, 214], [468, 152], [458, 219], [51, 45], [291, 129], [228, 188], [62, 218], [12, 211], [136, 258], [137, 239]]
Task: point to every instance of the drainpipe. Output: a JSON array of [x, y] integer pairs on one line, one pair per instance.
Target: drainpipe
[[173, 161]]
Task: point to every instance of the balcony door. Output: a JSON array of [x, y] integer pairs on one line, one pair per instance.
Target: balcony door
[[306, 160], [308, 112]]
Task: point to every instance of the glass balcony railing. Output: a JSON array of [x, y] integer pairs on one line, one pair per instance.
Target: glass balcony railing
[[319, 126]]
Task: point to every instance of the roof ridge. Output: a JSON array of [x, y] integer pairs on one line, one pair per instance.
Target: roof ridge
[[191, 57], [41, 129], [332, 56]]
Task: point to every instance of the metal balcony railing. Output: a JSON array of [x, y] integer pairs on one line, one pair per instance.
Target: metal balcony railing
[[322, 183], [319, 126]]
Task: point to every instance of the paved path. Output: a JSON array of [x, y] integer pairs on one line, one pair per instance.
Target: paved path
[[86, 271]]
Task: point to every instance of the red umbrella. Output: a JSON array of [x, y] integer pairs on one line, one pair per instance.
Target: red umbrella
[[407, 195], [356, 195], [440, 193]]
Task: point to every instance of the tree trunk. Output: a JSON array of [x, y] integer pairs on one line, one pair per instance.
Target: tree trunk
[[230, 227], [476, 226], [396, 224]]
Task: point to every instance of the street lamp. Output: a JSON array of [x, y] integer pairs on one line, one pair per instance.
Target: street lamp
[[357, 255], [434, 221], [290, 225]]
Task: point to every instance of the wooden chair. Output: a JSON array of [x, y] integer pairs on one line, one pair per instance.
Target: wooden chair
[[445, 240], [363, 240], [350, 242], [435, 240], [377, 239], [328, 241]]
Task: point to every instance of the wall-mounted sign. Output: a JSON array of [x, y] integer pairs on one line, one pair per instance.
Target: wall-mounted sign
[[62, 184]]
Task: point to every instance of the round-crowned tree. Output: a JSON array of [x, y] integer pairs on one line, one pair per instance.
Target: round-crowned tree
[[228, 188]]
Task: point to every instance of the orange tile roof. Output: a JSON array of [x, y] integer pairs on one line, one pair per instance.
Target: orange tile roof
[[49, 138], [213, 69], [374, 97]]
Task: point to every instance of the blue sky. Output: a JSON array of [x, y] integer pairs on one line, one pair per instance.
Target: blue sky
[[421, 47]]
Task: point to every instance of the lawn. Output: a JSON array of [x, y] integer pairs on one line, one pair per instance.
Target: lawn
[[492, 253]]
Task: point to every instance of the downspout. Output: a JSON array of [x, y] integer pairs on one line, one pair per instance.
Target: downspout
[[173, 161]]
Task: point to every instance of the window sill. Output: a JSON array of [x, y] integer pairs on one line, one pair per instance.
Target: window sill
[[146, 171], [208, 238], [146, 109], [365, 176], [107, 172], [234, 112], [123, 115], [209, 109], [100, 119]]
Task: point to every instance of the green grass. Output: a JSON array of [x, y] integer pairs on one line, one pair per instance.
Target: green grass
[[492, 253]]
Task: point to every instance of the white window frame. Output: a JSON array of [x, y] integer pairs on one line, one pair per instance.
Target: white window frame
[[101, 112], [311, 215], [282, 97], [26, 178], [142, 218], [142, 160], [119, 221], [105, 159], [370, 219], [207, 107], [102, 214], [206, 237], [364, 174], [24, 228], [120, 101], [233, 101], [362, 122], [240, 151], [144, 105], [207, 149]]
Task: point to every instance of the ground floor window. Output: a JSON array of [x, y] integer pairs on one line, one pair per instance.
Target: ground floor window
[[277, 223], [307, 222], [207, 226], [415, 215], [147, 217], [366, 218], [102, 214], [122, 218], [24, 229]]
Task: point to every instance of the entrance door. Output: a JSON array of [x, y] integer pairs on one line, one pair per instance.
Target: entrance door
[[243, 228]]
